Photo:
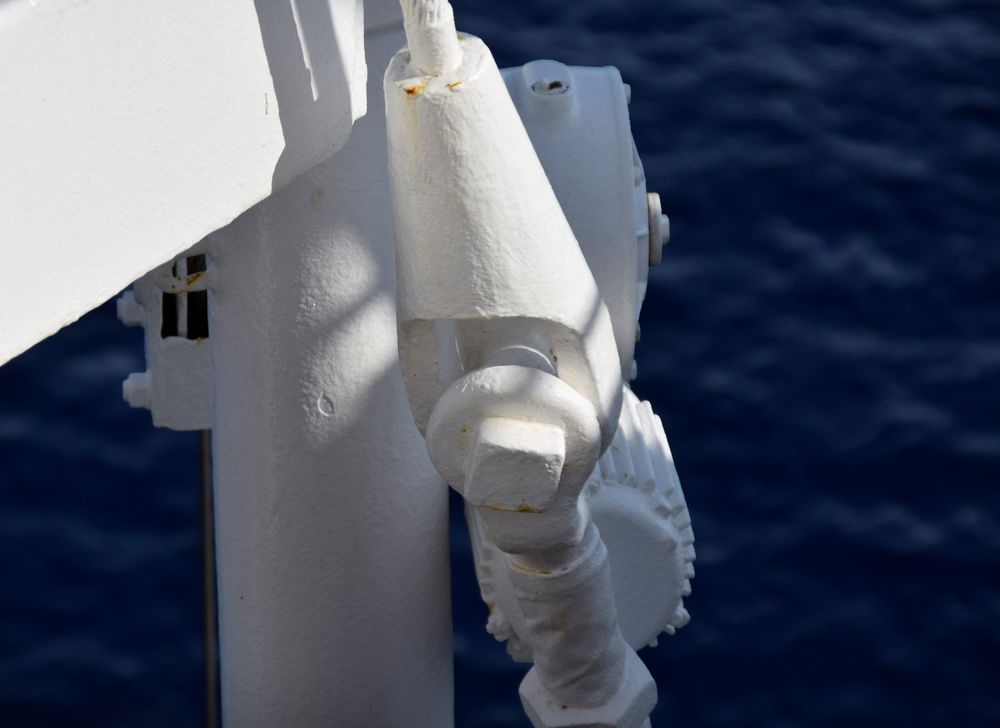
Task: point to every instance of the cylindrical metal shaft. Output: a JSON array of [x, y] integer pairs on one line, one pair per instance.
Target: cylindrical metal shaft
[[331, 523]]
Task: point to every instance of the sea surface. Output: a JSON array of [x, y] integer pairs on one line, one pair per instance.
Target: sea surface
[[822, 342]]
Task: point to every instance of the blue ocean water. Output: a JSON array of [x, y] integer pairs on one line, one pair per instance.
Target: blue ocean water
[[822, 342]]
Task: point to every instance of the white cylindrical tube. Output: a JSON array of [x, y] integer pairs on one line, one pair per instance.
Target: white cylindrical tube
[[332, 530], [569, 611]]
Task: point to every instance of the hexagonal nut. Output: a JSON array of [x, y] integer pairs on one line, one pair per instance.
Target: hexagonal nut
[[515, 465], [628, 708]]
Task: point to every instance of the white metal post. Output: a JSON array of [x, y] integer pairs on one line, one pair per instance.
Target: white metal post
[[331, 523]]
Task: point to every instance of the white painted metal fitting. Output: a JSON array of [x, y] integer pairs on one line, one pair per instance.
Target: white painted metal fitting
[[659, 229], [515, 465], [129, 311], [580, 131], [135, 390], [549, 80], [481, 238], [541, 404], [177, 389], [628, 708], [635, 499], [490, 277], [513, 341]]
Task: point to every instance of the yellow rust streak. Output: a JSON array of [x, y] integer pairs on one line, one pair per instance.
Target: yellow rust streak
[[414, 89], [530, 569], [454, 85], [523, 508]]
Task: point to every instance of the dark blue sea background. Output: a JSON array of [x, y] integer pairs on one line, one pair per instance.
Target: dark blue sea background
[[822, 342]]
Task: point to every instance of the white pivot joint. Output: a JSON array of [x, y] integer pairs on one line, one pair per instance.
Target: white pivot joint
[[510, 361]]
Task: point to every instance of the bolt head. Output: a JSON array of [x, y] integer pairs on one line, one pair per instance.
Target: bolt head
[[135, 390], [659, 228], [515, 465]]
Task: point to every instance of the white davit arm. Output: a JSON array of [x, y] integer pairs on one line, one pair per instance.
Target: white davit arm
[[510, 360]]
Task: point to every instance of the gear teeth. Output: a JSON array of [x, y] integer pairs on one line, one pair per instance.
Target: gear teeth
[[662, 507], [676, 501], [484, 564], [623, 453], [652, 456], [681, 618], [516, 646], [656, 442], [683, 522], [638, 458], [642, 462], [623, 460], [497, 626], [654, 643]]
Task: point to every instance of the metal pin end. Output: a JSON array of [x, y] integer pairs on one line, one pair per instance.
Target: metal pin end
[[431, 36], [135, 390], [659, 229], [129, 311]]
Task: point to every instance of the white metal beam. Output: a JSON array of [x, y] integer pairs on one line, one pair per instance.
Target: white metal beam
[[130, 130]]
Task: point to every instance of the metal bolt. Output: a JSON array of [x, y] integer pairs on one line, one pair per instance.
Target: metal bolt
[[135, 390], [129, 311], [515, 465], [659, 228]]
